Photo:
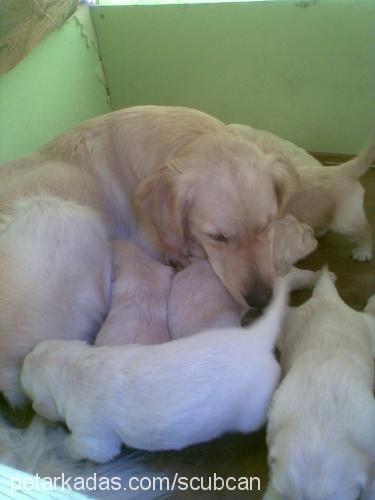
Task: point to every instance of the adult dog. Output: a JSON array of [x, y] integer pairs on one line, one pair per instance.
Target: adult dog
[[174, 180]]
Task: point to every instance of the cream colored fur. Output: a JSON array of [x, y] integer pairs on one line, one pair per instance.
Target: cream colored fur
[[293, 241], [157, 397], [150, 304], [199, 301], [140, 292], [328, 198], [321, 428], [155, 175]]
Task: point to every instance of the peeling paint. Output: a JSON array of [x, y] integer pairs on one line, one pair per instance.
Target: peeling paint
[[83, 19]]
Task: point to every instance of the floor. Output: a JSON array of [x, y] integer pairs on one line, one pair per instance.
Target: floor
[[245, 456]]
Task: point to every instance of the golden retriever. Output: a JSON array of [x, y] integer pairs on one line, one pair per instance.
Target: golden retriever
[[174, 180]]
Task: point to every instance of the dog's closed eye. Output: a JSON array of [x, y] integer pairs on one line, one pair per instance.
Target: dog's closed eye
[[218, 237]]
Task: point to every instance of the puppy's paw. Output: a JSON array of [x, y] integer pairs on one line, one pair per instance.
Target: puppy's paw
[[362, 254]]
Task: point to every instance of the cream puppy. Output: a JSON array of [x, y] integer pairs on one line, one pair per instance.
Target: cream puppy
[[321, 429], [198, 301], [157, 397], [293, 241], [140, 292], [328, 198]]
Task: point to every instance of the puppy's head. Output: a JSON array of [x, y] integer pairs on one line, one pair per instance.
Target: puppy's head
[[325, 472], [218, 201], [42, 376], [293, 240]]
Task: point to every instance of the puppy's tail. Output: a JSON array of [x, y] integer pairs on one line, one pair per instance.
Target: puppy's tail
[[359, 165], [268, 326], [325, 286], [39, 449]]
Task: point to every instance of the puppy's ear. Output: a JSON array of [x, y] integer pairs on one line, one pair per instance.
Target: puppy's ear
[[286, 181], [164, 199]]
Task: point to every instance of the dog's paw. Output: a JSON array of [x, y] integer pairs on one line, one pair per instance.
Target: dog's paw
[[361, 254]]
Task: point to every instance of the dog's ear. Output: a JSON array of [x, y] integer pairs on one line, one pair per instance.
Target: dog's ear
[[164, 199], [285, 179]]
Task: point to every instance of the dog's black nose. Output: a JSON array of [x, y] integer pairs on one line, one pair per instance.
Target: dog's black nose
[[259, 297]]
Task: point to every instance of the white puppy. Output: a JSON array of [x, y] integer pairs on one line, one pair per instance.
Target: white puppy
[[157, 397], [140, 292], [321, 430], [328, 198]]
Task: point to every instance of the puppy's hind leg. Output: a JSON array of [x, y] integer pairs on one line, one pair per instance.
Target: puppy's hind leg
[[100, 447]]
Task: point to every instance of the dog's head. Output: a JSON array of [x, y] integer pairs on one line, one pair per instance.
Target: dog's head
[[308, 470], [218, 201], [293, 240], [42, 375]]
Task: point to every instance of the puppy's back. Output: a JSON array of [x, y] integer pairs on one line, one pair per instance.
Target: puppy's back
[[325, 402], [198, 301], [140, 294]]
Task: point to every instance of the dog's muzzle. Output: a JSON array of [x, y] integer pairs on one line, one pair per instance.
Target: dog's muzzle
[[259, 297]]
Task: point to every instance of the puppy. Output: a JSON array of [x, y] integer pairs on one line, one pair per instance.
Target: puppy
[[140, 292], [199, 301], [157, 397], [293, 241], [328, 198], [321, 429]]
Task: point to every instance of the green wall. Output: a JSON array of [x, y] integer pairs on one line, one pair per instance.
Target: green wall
[[303, 69], [52, 89]]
